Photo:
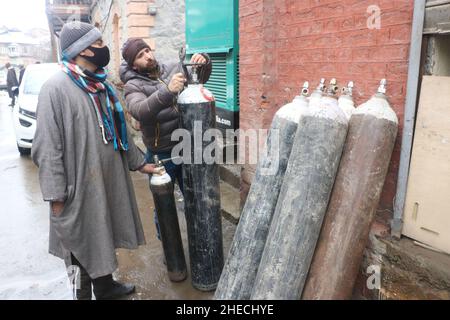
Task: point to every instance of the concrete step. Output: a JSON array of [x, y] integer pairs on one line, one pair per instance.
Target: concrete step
[[408, 271], [230, 202], [231, 174]]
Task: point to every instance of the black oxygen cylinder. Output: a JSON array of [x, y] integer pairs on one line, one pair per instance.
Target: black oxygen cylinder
[[303, 200], [162, 189], [201, 189], [238, 276]]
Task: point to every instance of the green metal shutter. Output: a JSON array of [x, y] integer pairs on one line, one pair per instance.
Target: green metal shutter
[[212, 27], [237, 85], [218, 81]]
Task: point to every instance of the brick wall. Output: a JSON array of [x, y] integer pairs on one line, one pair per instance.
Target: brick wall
[[286, 42]]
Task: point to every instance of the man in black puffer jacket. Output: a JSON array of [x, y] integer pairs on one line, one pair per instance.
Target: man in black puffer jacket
[[151, 91]]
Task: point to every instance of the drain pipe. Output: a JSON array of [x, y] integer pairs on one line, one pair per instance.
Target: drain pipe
[[410, 114]]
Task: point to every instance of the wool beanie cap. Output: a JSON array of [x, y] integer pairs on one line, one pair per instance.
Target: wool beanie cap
[[76, 36], [131, 48]]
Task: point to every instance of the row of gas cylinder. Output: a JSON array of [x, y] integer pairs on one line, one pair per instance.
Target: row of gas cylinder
[[305, 225]]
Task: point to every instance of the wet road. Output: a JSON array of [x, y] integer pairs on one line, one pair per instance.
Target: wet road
[[28, 271]]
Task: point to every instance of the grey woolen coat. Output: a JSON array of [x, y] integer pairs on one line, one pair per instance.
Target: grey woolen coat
[[100, 212]]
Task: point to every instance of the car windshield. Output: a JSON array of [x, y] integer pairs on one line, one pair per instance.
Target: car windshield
[[35, 79]]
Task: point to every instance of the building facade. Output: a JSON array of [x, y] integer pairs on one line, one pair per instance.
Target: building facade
[[159, 22], [20, 48]]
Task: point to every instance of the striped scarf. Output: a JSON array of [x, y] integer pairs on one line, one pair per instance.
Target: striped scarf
[[112, 123]]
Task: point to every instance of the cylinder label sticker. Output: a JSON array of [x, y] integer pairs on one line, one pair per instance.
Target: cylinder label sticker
[[207, 94]]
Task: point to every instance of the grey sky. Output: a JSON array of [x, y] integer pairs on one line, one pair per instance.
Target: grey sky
[[23, 14]]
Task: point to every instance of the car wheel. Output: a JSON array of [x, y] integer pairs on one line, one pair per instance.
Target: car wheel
[[24, 151]]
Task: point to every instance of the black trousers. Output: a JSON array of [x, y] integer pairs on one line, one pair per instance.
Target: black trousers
[[85, 283]]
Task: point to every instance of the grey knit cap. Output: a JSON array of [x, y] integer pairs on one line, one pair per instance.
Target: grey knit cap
[[76, 36]]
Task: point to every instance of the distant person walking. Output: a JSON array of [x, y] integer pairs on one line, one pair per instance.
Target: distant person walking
[[11, 83]]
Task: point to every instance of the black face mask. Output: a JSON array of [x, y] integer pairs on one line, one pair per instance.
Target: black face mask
[[101, 56]]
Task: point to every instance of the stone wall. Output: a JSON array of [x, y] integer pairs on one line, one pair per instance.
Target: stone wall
[[437, 61], [112, 22], [169, 30], [161, 23]]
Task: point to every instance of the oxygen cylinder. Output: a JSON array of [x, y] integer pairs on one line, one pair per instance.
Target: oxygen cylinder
[[318, 93], [201, 189], [162, 189], [303, 200], [345, 101], [240, 269], [363, 169]]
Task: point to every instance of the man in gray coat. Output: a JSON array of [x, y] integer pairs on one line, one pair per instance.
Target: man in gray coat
[[151, 90], [84, 154]]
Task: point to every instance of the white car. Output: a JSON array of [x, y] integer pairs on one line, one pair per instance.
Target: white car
[[24, 113]]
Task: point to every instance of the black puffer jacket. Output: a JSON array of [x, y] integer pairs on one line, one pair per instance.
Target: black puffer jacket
[[152, 104]]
